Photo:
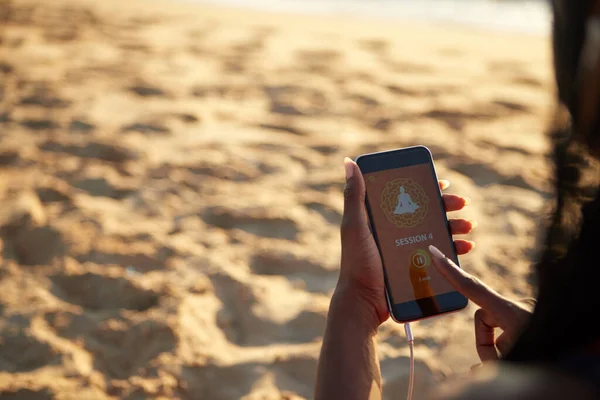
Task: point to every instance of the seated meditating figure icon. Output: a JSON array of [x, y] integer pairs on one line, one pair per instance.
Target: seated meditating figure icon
[[405, 203]]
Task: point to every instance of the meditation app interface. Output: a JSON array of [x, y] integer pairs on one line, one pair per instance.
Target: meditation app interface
[[408, 217]]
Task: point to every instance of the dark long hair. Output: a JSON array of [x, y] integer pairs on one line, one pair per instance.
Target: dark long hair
[[568, 273]]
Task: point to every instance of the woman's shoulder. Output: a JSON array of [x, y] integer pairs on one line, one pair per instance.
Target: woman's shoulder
[[504, 381]]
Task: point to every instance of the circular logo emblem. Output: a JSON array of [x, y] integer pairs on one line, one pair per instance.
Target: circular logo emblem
[[404, 202]]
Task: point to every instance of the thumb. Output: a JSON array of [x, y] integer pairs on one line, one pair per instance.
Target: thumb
[[354, 221]]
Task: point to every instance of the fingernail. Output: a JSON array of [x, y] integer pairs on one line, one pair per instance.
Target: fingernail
[[467, 201], [474, 224], [349, 168], [436, 253], [472, 244]]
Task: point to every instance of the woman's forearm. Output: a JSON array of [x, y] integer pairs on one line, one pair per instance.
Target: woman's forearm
[[348, 365]]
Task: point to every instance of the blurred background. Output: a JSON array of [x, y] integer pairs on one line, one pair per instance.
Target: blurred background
[[532, 16], [171, 181]]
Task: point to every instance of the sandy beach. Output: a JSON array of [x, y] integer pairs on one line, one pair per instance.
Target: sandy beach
[[171, 185]]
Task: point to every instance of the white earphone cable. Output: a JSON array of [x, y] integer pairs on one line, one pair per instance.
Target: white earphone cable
[[411, 376]]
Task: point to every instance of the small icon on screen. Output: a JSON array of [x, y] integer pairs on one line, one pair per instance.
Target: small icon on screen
[[420, 259]]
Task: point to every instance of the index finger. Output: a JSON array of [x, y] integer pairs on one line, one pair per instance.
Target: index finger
[[468, 285]]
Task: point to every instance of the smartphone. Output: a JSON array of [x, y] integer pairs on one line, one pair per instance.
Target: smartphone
[[407, 215]]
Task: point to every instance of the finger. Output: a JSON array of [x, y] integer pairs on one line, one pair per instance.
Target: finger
[[354, 220], [467, 284], [485, 338], [461, 226], [453, 202], [444, 184], [463, 246], [503, 344]]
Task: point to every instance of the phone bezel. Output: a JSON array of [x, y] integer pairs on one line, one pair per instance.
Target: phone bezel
[[391, 159]]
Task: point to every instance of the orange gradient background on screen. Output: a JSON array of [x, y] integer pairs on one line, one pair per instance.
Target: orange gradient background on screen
[[400, 239]]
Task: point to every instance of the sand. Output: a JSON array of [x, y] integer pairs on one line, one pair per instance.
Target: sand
[[171, 186]]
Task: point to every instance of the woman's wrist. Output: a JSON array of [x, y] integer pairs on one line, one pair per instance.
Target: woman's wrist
[[350, 307]]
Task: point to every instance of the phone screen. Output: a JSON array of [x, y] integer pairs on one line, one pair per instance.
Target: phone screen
[[407, 215]]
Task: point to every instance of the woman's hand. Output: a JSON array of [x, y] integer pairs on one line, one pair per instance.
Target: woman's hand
[[496, 311], [360, 287], [348, 365]]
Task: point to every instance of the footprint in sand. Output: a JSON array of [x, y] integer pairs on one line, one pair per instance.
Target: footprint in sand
[[293, 100], [361, 100], [499, 147], [144, 90], [187, 118], [243, 326], [317, 278], [39, 124], [326, 149], [483, 175], [235, 173], [294, 374], [27, 237], [146, 128], [95, 150], [259, 225], [457, 120], [331, 215], [144, 342], [97, 292], [41, 95], [286, 128], [209, 380], [20, 351], [120, 346], [512, 106], [49, 195], [81, 126], [323, 186], [37, 245], [6, 68], [9, 158], [402, 91], [100, 187], [27, 394], [318, 61], [229, 92], [374, 46], [133, 262]]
